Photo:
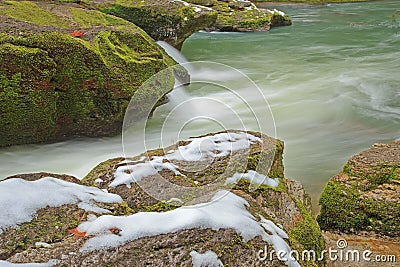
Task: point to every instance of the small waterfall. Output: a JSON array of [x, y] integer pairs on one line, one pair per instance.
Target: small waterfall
[[172, 52]]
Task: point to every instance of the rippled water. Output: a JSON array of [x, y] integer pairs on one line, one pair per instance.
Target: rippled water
[[332, 81]]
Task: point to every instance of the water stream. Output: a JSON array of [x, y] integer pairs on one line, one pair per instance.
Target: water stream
[[332, 81]]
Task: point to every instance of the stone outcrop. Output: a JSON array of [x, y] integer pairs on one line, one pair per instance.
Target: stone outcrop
[[66, 71], [164, 20], [244, 16], [365, 196], [174, 21], [285, 204]]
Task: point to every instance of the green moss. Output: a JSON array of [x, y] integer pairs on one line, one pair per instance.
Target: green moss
[[376, 175], [171, 22], [161, 206], [255, 189], [31, 13], [229, 247], [26, 96], [337, 206], [307, 233], [252, 19], [90, 18], [55, 85], [51, 225], [343, 209]]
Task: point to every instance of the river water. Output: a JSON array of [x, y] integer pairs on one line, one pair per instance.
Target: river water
[[332, 81]]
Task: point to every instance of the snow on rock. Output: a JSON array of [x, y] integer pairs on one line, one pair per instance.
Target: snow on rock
[[42, 245], [9, 264], [253, 177], [20, 199], [276, 239], [133, 173], [181, 1], [217, 145], [275, 11], [98, 181], [199, 149], [225, 211], [207, 259]]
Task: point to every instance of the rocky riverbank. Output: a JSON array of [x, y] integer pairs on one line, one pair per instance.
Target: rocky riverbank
[[115, 218], [362, 206], [227, 202]]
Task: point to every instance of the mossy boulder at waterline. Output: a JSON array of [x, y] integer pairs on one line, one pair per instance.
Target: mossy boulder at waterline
[[279, 205], [174, 21], [365, 196], [66, 71], [166, 20], [244, 16]]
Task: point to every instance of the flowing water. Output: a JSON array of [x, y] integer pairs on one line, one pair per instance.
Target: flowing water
[[332, 81]]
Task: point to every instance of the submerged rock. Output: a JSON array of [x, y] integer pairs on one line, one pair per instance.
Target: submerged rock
[[219, 226], [66, 71], [365, 196]]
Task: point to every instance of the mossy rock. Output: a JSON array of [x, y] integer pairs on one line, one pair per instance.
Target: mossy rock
[[54, 86], [246, 17], [287, 205], [166, 20], [365, 196]]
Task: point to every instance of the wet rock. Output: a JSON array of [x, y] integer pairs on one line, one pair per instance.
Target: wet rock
[[365, 196], [286, 205]]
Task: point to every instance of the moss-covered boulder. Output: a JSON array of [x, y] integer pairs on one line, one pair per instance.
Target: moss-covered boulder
[[280, 206], [174, 21], [166, 20], [66, 71], [244, 16], [365, 196]]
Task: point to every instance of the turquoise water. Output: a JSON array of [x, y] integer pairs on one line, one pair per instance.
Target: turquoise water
[[332, 82]]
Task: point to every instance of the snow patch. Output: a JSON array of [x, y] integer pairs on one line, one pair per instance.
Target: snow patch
[[181, 1], [253, 177], [225, 211], [175, 200], [199, 149], [98, 181], [42, 245], [133, 173], [207, 259], [20, 199], [275, 11]]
